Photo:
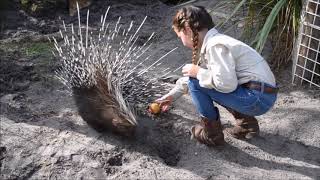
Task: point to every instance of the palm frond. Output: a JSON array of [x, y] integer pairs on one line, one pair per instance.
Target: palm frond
[[265, 19], [263, 35]]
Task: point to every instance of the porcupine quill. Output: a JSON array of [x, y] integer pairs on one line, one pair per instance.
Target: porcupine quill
[[102, 67]]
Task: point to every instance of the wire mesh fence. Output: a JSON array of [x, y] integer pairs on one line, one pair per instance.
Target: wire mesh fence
[[306, 68]]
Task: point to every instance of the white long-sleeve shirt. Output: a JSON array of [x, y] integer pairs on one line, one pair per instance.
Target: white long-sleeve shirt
[[228, 63]]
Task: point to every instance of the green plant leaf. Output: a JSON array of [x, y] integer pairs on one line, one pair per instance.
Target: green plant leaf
[[269, 24]]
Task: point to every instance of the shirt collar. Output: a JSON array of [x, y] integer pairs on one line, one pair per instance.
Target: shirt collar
[[212, 32]]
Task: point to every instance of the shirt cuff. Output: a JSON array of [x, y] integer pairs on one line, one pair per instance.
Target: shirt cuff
[[174, 93], [201, 72]]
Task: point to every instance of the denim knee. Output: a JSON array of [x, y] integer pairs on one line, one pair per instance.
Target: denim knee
[[202, 100]]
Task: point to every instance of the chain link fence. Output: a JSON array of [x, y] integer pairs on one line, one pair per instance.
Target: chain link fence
[[306, 69]]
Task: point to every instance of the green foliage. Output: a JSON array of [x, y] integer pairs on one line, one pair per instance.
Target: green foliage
[[42, 7], [276, 20], [29, 49], [38, 49], [39, 54], [24, 2], [34, 7]]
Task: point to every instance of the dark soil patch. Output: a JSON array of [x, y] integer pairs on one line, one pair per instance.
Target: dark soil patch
[[14, 76], [3, 151], [160, 137]]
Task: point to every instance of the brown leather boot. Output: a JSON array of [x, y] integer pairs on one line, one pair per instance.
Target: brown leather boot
[[246, 126], [208, 132]]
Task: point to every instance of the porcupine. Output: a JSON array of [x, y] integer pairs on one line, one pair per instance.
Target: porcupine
[[103, 69]]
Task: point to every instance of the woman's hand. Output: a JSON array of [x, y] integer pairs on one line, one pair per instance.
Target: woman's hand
[[190, 70], [164, 103]]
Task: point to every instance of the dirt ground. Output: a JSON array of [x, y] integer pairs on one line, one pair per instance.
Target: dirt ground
[[43, 136]]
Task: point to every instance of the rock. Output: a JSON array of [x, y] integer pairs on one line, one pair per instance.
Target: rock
[[73, 5], [9, 100], [22, 85]]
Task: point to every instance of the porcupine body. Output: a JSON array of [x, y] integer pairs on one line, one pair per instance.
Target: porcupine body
[[96, 111], [104, 69]]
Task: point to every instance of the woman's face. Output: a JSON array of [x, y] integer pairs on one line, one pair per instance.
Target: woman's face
[[186, 36]]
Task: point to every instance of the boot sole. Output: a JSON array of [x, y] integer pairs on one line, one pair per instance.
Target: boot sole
[[245, 136]]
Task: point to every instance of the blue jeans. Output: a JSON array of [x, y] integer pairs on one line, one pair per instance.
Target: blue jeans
[[243, 100]]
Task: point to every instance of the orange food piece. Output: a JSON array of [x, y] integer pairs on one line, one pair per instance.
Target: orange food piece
[[154, 108]]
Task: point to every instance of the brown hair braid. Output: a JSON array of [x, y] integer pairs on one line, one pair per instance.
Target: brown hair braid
[[195, 40], [197, 18]]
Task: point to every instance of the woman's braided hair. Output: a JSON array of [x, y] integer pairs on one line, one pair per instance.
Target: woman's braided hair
[[197, 18]]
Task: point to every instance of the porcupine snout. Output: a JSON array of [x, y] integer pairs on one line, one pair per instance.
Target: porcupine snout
[[95, 110]]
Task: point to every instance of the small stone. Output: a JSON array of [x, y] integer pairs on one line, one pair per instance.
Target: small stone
[[240, 25]]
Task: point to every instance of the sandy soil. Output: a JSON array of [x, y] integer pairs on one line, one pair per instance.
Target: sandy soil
[[43, 137]]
